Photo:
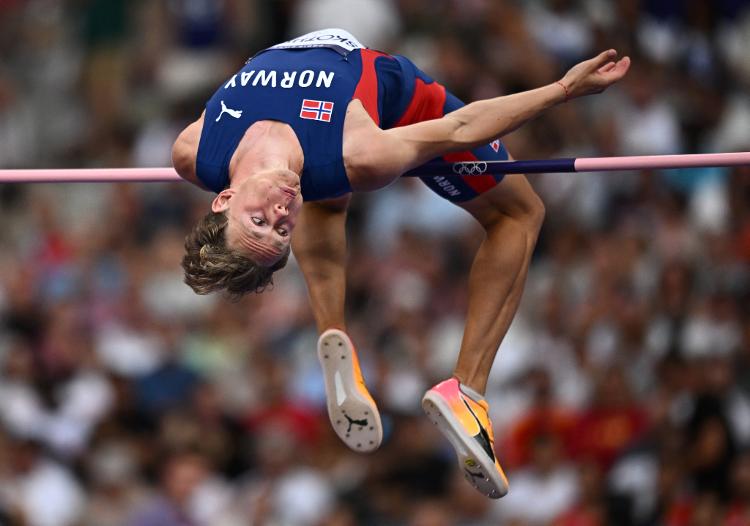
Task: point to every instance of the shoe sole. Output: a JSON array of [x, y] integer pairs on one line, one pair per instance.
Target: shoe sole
[[473, 461], [354, 418]]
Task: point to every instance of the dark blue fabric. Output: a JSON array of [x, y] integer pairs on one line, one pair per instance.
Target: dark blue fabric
[[395, 88], [455, 189], [288, 77]]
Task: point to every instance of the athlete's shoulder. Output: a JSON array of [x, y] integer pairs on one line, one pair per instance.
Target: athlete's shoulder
[[185, 152]]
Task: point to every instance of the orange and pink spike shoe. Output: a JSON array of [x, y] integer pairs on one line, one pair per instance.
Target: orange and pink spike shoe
[[465, 423], [352, 411]]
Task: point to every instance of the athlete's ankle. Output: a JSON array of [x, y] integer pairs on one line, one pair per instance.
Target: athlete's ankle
[[328, 326], [471, 393], [469, 389]]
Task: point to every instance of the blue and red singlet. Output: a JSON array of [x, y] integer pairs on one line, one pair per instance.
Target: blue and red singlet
[[307, 83]]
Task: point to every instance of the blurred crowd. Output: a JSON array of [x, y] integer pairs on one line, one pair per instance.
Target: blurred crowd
[[621, 395]]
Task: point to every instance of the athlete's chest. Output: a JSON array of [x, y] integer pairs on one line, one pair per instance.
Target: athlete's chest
[[358, 131]]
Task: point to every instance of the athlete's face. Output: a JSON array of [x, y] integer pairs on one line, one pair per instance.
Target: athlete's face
[[261, 214]]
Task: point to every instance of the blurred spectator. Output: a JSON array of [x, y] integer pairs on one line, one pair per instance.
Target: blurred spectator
[[36, 490], [189, 494], [544, 417], [544, 489], [738, 510], [612, 423], [115, 492], [590, 509]]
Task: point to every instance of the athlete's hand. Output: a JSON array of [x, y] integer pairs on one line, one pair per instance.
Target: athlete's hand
[[595, 75]]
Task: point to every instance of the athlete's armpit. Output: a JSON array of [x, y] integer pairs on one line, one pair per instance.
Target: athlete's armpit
[[185, 151]]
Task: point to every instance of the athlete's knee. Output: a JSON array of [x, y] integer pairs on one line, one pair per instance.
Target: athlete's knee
[[526, 209], [534, 212]]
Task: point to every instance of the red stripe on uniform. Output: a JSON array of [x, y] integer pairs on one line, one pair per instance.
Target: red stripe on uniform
[[428, 103], [367, 88]]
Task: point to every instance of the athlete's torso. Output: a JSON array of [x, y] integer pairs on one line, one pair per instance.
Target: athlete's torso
[[306, 83]]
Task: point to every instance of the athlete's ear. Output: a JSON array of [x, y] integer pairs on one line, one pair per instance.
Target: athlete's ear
[[221, 201]]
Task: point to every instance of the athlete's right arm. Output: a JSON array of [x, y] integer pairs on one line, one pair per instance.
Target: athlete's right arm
[[398, 150], [185, 152]]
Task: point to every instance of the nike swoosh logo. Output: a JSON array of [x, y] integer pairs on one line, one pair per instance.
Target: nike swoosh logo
[[483, 437]]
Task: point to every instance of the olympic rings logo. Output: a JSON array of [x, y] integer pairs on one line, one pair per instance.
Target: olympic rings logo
[[470, 168]]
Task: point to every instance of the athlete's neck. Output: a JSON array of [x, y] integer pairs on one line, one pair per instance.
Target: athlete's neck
[[266, 145]]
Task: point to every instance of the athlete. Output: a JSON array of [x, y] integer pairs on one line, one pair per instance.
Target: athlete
[[305, 123]]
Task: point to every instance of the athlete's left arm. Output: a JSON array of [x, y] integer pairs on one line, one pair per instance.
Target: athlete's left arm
[[400, 149]]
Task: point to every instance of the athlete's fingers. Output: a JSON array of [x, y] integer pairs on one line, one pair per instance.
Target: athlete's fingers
[[606, 67], [618, 71], [615, 73], [602, 58]]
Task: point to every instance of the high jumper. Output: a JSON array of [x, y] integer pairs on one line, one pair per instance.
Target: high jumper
[[287, 139], [284, 143]]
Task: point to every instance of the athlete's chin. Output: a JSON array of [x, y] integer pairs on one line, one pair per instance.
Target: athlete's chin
[[290, 192]]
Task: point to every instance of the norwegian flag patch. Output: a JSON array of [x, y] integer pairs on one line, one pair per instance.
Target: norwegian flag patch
[[495, 145], [316, 110]]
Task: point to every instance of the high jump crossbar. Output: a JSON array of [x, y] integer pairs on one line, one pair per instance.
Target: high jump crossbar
[[430, 169]]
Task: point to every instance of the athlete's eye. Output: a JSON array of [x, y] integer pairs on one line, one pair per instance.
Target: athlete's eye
[[283, 232], [258, 221]]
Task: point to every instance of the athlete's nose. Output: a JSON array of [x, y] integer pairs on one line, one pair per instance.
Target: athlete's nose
[[281, 209]]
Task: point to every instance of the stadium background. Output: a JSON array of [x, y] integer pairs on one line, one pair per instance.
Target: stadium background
[[622, 392]]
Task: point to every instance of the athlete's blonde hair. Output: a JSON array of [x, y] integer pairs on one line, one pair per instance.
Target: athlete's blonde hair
[[210, 266]]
